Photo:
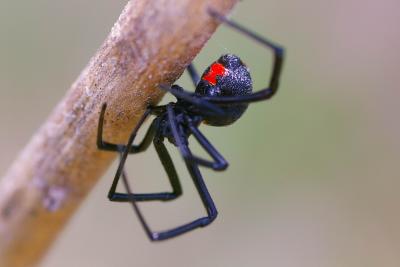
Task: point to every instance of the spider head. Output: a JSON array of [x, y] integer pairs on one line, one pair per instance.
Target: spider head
[[227, 76]]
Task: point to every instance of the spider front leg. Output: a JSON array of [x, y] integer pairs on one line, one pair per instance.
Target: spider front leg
[[103, 145], [167, 164], [205, 106], [130, 148], [219, 163]]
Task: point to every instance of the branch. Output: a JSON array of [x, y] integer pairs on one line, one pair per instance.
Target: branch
[[151, 43]]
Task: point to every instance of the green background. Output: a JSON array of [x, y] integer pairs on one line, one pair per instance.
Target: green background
[[314, 175]]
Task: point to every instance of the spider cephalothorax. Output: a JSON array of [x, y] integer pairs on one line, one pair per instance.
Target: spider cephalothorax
[[222, 94], [227, 76]]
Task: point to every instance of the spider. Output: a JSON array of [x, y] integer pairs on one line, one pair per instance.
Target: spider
[[222, 95]]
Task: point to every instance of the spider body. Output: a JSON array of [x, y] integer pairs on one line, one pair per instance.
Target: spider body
[[222, 94], [228, 76], [164, 128]]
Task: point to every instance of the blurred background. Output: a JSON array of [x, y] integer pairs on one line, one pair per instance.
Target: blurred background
[[314, 173]]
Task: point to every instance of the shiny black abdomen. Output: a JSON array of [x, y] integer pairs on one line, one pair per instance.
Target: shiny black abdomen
[[236, 81]]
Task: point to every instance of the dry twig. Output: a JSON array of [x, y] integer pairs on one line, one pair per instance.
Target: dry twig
[[151, 43]]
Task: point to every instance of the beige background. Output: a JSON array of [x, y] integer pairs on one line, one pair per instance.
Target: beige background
[[314, 176]]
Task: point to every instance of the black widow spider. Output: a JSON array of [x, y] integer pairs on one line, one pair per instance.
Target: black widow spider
[[221, 96]]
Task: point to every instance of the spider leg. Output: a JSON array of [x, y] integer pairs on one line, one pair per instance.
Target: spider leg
[[278, 51], [219, 163], [206, 106], [201, 222], [168, 166], [178, 91], [198, 181], [200, 186], [190, 97], [193, 74], [103, 145]]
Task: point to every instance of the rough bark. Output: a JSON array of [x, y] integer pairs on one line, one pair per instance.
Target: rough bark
[[151, 43]]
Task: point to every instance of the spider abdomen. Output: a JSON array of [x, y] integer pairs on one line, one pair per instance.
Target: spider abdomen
[[228, 76]]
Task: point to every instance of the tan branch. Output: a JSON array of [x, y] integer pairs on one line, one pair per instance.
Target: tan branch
[[151, 43]]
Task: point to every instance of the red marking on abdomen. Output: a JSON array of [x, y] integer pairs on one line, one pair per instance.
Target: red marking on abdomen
[[216, 69]]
